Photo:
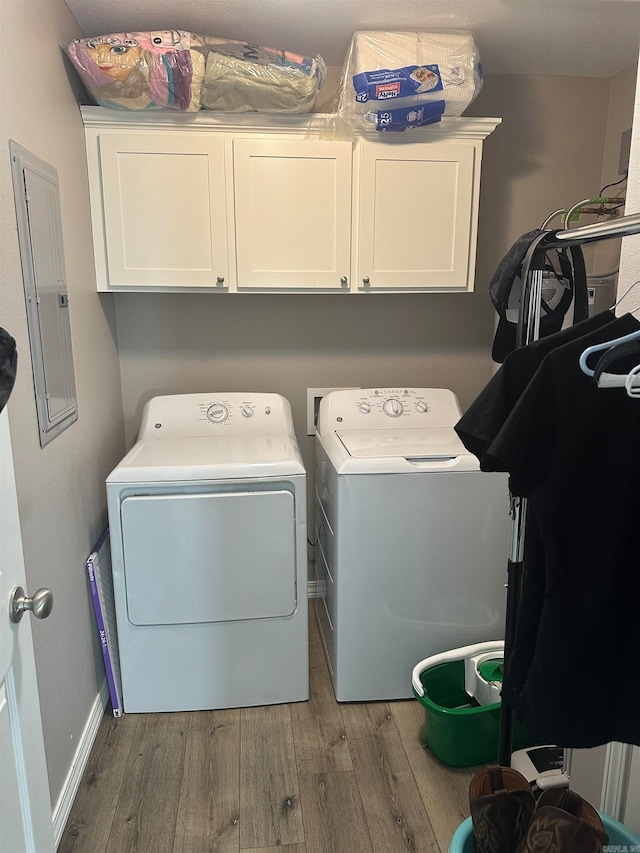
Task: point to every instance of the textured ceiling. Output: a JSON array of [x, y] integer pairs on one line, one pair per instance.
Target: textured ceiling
[[593, 38]]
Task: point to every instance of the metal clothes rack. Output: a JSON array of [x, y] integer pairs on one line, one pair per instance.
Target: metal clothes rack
[[528, 331]]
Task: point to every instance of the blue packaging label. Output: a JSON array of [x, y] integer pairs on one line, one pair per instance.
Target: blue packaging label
[[406, 117], [387, 84]]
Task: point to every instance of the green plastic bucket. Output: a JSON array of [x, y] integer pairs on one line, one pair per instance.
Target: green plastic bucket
[[458, 730], [621, 839]]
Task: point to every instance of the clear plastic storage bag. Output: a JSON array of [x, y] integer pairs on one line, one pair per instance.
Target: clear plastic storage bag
[[178, 70], [397, 80], [241, 77], [140, 70]]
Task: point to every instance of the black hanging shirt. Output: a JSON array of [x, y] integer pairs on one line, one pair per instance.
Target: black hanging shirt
[[573, 450]]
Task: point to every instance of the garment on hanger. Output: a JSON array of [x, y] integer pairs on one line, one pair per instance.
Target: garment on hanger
[[482, 422], [572, 450]]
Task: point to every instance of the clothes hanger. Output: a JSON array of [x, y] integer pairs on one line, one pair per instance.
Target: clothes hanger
[[631, 386], [606, 379], [614, 353], [609, 380]]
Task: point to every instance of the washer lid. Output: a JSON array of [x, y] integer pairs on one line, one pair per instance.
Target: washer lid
[[209, 458], [429, 443]]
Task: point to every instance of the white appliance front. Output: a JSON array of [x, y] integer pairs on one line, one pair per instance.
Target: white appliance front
[[412, 539], [188, 542], [209, 573]]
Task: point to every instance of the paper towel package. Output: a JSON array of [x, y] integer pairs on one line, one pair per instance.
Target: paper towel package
[[403, 79]]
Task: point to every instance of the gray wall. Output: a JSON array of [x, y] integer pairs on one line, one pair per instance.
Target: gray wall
[[546, 154], [619, 119], [61, 487]]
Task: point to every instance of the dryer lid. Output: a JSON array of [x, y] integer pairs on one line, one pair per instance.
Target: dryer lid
[[208, 458], [429, 443]]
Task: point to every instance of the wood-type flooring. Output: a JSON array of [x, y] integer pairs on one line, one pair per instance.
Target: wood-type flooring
[[309, 777]]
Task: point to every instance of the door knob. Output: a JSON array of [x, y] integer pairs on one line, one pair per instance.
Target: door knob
[[41, 604]]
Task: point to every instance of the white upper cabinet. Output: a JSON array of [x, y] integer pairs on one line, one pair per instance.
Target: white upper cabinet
[[292, 214], [416, 216], [274, 204], [164, 207]]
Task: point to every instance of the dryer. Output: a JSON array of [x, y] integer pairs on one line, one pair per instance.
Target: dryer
[[208, 544], [412, 539]]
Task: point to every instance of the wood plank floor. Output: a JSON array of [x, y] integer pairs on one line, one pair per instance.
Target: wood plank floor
[[310, 777]]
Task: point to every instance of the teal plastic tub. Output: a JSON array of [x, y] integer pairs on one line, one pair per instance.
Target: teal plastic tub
[[621, 839]]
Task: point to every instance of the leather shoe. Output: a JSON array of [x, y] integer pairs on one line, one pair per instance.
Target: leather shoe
[[501, 803], [564, 823]]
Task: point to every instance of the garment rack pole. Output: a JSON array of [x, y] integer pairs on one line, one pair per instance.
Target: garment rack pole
[[528, 331], [622, 227]]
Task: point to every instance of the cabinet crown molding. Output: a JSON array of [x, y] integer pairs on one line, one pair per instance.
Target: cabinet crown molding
[[310, 124]]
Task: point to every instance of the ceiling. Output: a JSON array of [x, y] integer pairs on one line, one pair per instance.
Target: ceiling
[[592, 38]]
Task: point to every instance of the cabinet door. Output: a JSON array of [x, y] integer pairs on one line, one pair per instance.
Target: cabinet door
[[292, 214], [416, 217], [164, 209]]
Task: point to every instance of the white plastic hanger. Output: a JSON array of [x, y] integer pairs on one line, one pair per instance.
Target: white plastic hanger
[[607, 380], [632, 382], [610, 380]]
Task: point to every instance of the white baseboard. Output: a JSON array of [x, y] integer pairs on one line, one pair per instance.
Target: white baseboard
[[72, 782]]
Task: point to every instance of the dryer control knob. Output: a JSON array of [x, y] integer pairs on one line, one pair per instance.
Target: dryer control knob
[[247, 412], [365, 408], [217, 413], [393, 408], [421, 406]]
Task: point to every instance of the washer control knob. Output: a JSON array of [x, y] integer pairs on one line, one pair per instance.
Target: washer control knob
[[365, 408], [393, 408], [247, 412], [421, 406], [217, 413]]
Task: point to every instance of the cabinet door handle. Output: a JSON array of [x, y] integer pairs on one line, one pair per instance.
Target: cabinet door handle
[[220, 279], [344, 279], [365, 279]]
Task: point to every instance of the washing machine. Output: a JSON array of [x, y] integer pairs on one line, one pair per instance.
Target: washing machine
[[208, 543], [412, 539]]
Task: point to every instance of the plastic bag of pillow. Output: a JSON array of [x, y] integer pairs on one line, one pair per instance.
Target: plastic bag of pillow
[[156, 70], [392, 81], [177, 70], [243, 77]]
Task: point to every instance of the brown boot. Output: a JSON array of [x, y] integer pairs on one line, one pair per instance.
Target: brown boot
[[501, 803], [564, 823]]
